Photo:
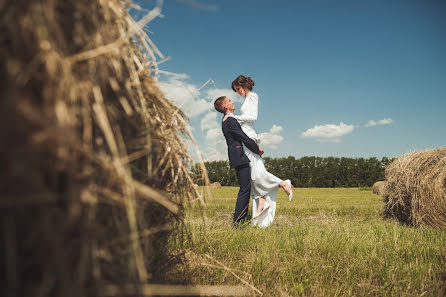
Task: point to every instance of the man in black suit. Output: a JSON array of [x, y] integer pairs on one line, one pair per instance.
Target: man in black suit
[[237, 159]]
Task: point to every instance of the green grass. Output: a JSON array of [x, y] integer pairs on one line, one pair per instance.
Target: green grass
[[326, 242]]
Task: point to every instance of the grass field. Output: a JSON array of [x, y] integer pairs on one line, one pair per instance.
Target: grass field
[[326, 242]]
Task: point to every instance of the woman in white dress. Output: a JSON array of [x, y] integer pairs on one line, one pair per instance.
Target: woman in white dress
[[264, 185]]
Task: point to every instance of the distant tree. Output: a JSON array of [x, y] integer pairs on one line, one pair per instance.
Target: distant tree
[[308, 171]]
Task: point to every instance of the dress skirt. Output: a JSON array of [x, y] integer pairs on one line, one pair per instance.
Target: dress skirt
[[263, 184]]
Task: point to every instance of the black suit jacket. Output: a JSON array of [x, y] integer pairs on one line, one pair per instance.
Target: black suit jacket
[[234, 139]]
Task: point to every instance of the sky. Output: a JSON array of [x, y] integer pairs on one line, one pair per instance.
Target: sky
[[345, 78]]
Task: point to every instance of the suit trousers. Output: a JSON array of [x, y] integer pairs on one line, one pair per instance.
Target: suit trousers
[[241, 207]]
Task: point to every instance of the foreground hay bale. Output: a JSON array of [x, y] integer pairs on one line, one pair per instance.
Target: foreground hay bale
[[416, 188], [216, 185], [93, 167], [379, 187]]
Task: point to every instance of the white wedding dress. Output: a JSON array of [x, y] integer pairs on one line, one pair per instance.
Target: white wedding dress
[[263, 183]]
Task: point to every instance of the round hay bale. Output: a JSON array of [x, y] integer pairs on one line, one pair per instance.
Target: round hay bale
[[416, 188], [216, 185], [379, 187], [93, 166]]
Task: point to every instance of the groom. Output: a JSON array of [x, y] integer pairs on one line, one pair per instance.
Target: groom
[[237, 159]]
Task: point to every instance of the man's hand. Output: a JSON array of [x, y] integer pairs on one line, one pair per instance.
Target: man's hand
[[261, 151], [226, 116]]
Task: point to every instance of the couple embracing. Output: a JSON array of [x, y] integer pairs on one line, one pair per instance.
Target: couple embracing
[[245, 155]]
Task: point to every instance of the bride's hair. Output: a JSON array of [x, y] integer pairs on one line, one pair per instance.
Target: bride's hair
[[244, 81]]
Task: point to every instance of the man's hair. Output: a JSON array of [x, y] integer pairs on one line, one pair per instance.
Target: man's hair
[[218, 104]]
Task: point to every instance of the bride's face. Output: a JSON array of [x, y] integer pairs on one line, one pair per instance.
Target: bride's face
[[241, 91]]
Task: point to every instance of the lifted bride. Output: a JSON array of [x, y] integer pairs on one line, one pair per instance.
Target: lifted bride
[[264, 185]]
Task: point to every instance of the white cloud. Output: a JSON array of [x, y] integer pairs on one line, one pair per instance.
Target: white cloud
[[329, 132], [212, 148], [193, 100], [215, 93], [185, 96], [216, 154], [209, 121], [215, 145], [385, 121], [372, 123], [272, 138], [216, 148], [214, 134]]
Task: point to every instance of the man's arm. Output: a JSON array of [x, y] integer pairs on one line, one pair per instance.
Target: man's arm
[[234, 128]]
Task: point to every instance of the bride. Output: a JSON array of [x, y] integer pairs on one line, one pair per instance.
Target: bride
[[264, 185]]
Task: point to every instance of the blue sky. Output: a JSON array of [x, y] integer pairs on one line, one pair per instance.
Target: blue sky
[[334, 78]]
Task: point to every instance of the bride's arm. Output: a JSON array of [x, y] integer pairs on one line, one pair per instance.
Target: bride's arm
[[250, 115]]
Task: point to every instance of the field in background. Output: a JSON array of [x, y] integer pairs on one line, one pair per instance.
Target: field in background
[[326, 242]]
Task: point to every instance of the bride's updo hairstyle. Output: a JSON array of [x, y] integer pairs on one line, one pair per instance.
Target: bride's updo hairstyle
[[243, 81]]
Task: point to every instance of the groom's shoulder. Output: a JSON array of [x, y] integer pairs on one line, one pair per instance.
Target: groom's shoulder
[[230, 121]]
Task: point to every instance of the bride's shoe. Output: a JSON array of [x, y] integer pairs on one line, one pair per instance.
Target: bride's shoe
[[290, 196]]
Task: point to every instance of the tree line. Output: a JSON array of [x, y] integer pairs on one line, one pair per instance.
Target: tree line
[[319, 172]]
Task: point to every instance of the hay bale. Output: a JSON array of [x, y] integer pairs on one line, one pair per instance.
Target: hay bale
[[215, 185], [93, 167], [416, 188], [379, 187]]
